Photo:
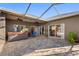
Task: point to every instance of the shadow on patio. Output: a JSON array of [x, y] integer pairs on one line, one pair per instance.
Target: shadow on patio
[[72, 53]]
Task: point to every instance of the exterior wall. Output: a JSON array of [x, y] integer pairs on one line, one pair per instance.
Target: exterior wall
[[11, 32], [2, 28], [71, 25], [10, 24]]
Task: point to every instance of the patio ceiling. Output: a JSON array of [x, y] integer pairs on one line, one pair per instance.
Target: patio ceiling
[[14, 16]]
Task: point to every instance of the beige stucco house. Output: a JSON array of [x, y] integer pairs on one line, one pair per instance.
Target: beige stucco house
[[15, 26], [59, 26]]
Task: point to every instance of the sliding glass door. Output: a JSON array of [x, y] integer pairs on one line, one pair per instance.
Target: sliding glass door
[[42, 30], [56, 30]]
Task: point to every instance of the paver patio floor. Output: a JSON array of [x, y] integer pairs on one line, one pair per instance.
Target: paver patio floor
[[40, 45]]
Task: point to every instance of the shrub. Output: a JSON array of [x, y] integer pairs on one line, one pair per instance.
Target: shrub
[[72, 36]]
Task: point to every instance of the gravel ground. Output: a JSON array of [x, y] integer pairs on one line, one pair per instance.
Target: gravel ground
[[38, 46]]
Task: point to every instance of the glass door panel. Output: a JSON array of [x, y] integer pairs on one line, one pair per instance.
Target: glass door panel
[[56, 30]]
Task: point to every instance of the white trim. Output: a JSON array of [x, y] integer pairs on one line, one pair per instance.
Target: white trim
[[63, 37], [48, 31]]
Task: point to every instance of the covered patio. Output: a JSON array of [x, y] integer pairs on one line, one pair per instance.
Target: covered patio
[[18, 26]]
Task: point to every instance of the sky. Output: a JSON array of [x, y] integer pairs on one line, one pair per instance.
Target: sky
[[37, 9]]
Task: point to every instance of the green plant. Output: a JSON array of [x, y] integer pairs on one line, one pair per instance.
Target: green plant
[[72, 36]]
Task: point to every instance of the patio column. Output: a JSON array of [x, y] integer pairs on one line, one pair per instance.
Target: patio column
[[2, 28]]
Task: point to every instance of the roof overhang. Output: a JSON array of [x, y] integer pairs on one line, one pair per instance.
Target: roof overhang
[[14, 15], [63, 16]]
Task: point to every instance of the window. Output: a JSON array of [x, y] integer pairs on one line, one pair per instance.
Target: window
[[56, 30]]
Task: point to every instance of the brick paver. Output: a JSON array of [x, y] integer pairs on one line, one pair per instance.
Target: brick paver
[[40, 45]]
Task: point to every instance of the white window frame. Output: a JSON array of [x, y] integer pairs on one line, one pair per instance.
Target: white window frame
[[62, 37]]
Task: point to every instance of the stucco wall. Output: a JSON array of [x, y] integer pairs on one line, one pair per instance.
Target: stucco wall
[[2, 28], [71, 25], [10, 24]]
